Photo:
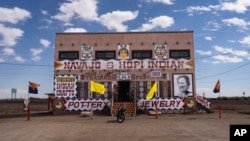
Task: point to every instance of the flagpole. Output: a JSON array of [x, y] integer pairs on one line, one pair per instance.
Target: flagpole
[[156, 110], [219, 107]]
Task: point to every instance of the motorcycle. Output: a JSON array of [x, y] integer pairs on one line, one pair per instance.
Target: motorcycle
[[121, 113]]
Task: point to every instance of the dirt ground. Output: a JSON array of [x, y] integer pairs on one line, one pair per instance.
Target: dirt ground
[[142, 127]]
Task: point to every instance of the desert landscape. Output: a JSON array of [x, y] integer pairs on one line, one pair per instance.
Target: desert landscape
[[44, 126]]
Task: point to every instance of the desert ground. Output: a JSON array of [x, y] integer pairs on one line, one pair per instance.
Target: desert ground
[[169, 126]]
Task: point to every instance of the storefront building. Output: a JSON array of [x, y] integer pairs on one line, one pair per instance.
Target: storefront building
[[127, 64]]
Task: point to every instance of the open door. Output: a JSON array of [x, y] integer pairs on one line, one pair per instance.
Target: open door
[[124, 98], [123, 91]]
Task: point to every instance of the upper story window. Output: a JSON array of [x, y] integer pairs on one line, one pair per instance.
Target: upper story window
[[105, 54], [141, 54], [68, 55], [176, 54]]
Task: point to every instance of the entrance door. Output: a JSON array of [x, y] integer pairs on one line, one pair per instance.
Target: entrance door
[[123, 92]]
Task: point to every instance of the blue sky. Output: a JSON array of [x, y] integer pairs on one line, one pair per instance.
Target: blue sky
[[221, 36]]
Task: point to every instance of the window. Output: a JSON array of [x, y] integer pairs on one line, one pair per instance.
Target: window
[[69, 55], [180, 54], [141, 54], [105, 54]]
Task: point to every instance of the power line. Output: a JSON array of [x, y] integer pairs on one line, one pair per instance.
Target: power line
[[224, 71]]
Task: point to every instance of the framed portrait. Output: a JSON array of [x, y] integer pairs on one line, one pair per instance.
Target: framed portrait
[[183, 85]]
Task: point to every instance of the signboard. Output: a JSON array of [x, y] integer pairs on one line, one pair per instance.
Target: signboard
[[95, 104], [155, 73], [123, 64], [65, 86], [13, 90], [161, 104]]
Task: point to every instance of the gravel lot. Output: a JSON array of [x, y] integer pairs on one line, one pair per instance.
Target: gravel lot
[[142, 127]]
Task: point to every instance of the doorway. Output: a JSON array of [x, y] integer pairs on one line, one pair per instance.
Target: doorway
[[123, 92]]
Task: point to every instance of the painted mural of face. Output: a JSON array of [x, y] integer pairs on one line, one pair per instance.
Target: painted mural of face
[[123, 53]]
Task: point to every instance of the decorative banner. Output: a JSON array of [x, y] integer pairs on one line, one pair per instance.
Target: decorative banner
[[160, 51], [162, 104], [95, 104], [65, 86], [123, 64]]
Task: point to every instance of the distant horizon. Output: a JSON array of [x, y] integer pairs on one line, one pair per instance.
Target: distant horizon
[[220, 28]]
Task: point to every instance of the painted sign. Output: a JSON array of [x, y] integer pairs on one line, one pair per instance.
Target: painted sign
[[87, 52], [160, 51], [203, 101], [65, 86], [161, 104], [95, 104], [123, 64], [156, 74]]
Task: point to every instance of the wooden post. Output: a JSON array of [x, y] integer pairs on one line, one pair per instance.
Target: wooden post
[[156, 112]]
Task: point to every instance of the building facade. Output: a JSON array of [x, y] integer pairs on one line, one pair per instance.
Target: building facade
[[127, 64]]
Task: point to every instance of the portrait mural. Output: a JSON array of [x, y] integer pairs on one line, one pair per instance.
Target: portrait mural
[[183, 85], [123, 52], [87, 52], [160, 51]]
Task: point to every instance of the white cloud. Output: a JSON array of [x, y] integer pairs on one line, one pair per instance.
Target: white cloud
[[161, 21], [224, 50], [35, 54], [13, 15], [212, 26], [201, 52], [19, 59], [75, 30], [236, 22], [168, 2], [84, 9], [208, 38], [45, 43], [115, 20], [44, 12], [238, 6], [245, 40], [2, 60], [228, 59], [8, 51], [10, 35]]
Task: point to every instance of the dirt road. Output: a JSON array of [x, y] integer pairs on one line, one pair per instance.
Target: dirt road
[[170, 127]]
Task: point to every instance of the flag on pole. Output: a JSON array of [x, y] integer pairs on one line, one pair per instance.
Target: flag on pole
[[217, 87], [152, 91], [96, 87], [33, 88]]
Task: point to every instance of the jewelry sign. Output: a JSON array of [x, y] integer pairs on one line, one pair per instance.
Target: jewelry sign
[[65, 86]]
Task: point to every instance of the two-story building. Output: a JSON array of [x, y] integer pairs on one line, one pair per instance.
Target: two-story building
[[127, 64]]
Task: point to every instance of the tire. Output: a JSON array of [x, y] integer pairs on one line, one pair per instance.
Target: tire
[[120, 118]]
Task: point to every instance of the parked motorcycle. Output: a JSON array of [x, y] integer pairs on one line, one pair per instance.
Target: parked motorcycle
[[121, 113]]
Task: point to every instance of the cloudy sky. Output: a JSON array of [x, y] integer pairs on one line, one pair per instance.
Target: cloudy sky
[[221, 35]]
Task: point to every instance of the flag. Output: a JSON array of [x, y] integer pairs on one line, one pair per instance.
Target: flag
[[33, 88], [217, 87], [96, 87], [152, 91]]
